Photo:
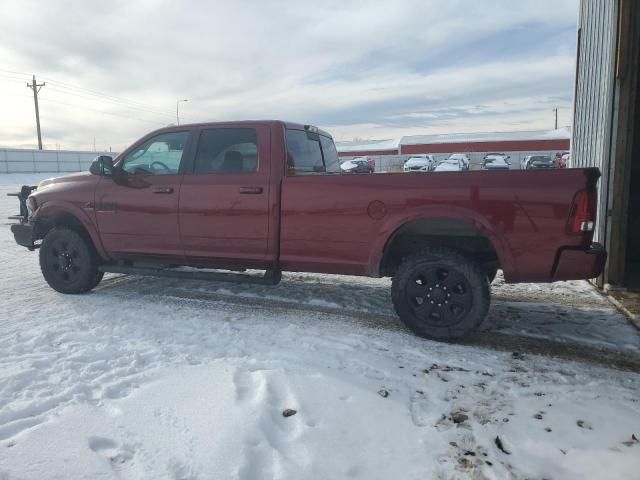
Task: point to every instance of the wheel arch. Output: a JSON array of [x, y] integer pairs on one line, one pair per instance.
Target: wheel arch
[[468, 230], [57, 214]]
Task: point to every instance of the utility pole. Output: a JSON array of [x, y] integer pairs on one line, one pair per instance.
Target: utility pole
[[556, 110], [36, 88], [177, 111]]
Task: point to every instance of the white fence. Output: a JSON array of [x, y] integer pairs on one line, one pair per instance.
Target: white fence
[[46, 161]]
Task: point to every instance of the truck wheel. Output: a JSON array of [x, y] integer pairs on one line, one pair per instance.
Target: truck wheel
[[68, 261], [440, 294]]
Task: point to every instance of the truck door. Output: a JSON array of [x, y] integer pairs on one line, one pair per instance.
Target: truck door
[[137, 207], [225, 200]]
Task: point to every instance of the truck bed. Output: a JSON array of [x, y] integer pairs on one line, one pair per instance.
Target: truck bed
[[342, 223]]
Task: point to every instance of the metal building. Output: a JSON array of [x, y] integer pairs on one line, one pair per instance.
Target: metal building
[[606, 127]]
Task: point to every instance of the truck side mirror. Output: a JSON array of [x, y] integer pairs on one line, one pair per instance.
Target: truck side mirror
[[102, 165]]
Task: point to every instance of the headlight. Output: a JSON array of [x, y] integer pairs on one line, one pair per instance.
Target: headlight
[[32, 205]]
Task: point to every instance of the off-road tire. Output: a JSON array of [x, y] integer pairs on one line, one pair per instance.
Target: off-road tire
[[440, 294], [68, 261]]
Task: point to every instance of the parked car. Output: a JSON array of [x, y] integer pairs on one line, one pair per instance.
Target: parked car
[[557, 160], [263, 195], [561, 159], [450, 165], [525, 161], [464, 159], [540, 161], [419, 163], [493, 154], [357, 165], [496, 162]]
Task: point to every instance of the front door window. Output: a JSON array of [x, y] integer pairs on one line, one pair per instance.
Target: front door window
[[160, 155]]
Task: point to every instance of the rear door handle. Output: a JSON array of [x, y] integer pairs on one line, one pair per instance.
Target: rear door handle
[[162, 190], [250, 190]]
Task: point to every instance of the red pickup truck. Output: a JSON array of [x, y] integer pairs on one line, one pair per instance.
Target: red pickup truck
[[270, 195]]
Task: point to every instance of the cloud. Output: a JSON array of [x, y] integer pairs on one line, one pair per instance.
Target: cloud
[[361, 68]]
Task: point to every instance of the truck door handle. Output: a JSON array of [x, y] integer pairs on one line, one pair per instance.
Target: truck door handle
[[251, 190], [162, 190]]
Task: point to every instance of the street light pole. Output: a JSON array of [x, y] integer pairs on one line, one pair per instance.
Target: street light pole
[[177, 109]]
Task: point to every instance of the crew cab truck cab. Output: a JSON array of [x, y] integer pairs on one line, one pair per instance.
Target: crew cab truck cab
[[270, 195]]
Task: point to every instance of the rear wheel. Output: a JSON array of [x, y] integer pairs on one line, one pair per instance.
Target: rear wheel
[[68, 261], [440, 294]]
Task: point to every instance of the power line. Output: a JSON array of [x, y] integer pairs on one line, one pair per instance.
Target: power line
[[12, 79], [109, 101], [99, 111], [14, 72], [93, 95], [88, 91]]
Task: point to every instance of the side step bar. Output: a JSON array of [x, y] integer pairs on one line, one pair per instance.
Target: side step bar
[[270, 277]]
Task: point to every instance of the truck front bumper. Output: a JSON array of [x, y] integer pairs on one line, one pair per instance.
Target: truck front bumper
[[23, 234], [23, 231], [576, 263]]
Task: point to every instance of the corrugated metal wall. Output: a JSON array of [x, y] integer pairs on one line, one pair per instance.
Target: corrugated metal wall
[[594, 95]]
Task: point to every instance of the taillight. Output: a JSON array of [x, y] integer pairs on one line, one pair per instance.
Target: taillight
[[583, 212]]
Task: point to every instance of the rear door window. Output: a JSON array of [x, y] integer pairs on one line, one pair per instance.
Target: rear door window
[[227, 150], [311, 152], [304, 154], [331, 160]]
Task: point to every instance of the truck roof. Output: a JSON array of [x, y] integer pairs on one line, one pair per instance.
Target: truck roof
[[291, 125]]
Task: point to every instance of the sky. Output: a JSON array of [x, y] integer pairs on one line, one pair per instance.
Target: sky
[[114, 70]]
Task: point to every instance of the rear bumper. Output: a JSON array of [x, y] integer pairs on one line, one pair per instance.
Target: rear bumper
[[23, 234], [577, 263]]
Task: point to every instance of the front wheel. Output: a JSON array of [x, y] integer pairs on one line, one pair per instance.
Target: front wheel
[[68, 261], [440, 294]]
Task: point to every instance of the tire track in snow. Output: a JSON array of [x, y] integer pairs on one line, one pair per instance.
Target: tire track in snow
[[538, 344]]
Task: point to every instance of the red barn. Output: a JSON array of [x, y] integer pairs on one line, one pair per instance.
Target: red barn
[[507, 142], [524, 141]]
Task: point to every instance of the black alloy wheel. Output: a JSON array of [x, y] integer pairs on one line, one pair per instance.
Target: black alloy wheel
[[441, 294], [68, 261]]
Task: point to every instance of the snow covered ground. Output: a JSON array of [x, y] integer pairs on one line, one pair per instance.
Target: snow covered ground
[[166, 379]]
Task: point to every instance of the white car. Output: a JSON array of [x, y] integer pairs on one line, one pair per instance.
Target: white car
[[462, 158], [419, 163], [450, 165], [524, 161], [358, 165], [496, 162]]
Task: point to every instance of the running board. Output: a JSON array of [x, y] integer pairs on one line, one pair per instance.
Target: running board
[[270, 277]]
